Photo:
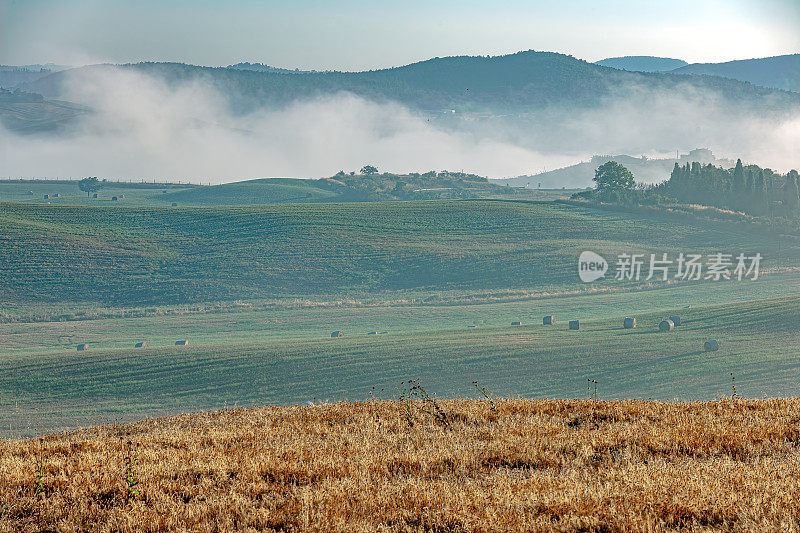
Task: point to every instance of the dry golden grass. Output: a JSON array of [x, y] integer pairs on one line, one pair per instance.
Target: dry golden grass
[[524, 466]]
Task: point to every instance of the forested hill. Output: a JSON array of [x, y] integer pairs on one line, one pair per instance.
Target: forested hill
[[780, 72], [525, 81]]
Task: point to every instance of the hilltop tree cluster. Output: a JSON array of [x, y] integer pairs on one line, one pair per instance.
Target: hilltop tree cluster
[[371, 185], [750, 189]]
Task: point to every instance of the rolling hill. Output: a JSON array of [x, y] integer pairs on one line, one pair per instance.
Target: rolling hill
[[779, 72], [346, 188], [169, 255], [24, 112]]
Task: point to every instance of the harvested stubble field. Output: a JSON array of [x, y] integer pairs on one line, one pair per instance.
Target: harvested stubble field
[[511, 465]]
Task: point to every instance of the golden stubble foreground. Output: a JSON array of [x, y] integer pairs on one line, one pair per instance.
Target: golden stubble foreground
[[519, 465]]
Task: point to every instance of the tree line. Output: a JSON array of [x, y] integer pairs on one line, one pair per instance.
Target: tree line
[[750, 189]]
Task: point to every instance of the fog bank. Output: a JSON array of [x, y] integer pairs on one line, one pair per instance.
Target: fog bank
[[141, 128]]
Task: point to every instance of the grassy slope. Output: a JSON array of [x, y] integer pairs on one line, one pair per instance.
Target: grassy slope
[[231, 362], [171, 255], [263, 191], [515, 466]]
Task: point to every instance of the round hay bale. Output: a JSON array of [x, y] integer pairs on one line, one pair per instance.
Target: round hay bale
[[675, 320], [516, 323], [711, 346], [629, 323], [549, 320], [574, 324], [666, 325]]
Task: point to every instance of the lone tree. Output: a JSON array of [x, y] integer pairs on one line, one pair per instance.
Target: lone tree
[[613, 176], [369, 169], [89, 185]]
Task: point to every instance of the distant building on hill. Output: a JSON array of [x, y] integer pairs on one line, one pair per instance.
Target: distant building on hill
[[703, 156]]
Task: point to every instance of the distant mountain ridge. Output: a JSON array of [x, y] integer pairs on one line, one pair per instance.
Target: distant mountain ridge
[[260, 67], [517, 83], [643, 63], [779, 72]]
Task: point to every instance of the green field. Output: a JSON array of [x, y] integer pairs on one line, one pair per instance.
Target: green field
[[249, 192], [165, 256], [279, 357], [257, 290], [135, 194]]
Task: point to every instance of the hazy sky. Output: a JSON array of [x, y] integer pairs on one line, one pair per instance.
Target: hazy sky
[[363, 34]]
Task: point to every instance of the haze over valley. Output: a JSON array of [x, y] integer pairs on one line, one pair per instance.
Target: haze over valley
[[495, 116]]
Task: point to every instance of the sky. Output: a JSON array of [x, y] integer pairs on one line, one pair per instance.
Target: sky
[[365, 34]]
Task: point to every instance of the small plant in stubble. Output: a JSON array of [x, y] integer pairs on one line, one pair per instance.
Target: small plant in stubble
[[131, 480], [408, 405], [424, 403], [40, 490], [482, 390], [591, 383]]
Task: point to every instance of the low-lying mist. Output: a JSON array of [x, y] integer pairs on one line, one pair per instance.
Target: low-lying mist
[[142, 128]]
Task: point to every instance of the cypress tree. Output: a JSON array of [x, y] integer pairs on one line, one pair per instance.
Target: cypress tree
[[761, 200], [739, 186], [791, 195]]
